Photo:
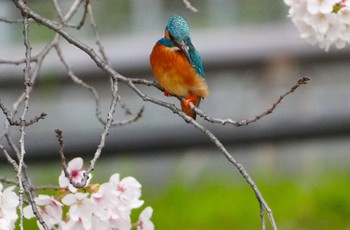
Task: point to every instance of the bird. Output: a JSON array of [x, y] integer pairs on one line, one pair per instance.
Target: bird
[[177, 65]]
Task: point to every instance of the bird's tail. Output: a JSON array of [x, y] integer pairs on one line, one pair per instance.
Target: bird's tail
[[187, 109]]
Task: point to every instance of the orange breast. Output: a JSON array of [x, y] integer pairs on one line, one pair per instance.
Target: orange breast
[[174, 72]]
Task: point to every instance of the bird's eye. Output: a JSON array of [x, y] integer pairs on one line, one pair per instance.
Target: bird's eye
[[171, 37]]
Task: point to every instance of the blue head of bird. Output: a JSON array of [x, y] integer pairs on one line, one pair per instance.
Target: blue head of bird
[[178, 28], [178, 31]]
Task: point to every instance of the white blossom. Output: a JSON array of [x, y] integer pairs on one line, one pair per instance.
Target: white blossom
[[75, 170], [127, 191], [322, 22], [320, 6], [105, 207], [145, 222], [49, 209], [81, 208], [344, 15], [8, 207]]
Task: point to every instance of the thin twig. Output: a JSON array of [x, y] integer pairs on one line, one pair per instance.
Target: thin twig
[[9, 62], [108, 125], [81, 83], [301, 81], [32, 187], [6, 20], [13, 146], [31, 200], [262, 216], [97, 35], [73, 9], [221, 147], [59, 136], [71, 12], [9, 158], [106, 60], [189, 6], [145, 82], [20, 122], [27, 88], [240, 168], [21, 175], [131, 120], [8, 181], [58, 10], [97, 154], [94, 92]]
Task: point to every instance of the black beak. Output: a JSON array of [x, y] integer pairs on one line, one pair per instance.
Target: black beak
[[184, 48]]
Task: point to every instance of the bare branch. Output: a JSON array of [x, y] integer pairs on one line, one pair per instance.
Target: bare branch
[[21, 174], [8, 181], [81, 83], [12, 146], [262, 217], [27, 89], [9, 158], [145, 82], [35, 188], [129, 121], [93, 91], [58, 29], [301, 81], [108, 125], [189, 6], [12, 62], [239, 166], [58, 10], [59, 137], [71, 12], [20, 122], [97, 35], [6, 20], [29, 192], [97, 154]]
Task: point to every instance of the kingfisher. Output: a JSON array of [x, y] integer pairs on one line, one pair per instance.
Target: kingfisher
[[178, 66]]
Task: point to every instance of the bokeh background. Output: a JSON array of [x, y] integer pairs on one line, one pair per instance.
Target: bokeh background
[[299, 156]]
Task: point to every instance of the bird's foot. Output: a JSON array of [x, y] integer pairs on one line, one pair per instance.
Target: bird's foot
[[191, 98], [166, 93]]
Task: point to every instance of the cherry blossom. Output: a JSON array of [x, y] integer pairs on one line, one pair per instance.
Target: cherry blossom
[[50, 210], [81, 208], [127, 191], [104, 207], [108, 210], [320, 6], [115, 200], [74, 225], [8, 207], [144, 222], [120, 219], [102, 201], [75, 170], [322, 22]]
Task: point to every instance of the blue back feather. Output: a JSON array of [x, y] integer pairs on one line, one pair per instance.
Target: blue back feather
[[196, 59]]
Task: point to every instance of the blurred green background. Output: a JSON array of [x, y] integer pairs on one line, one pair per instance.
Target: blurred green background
[[211, 195]]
